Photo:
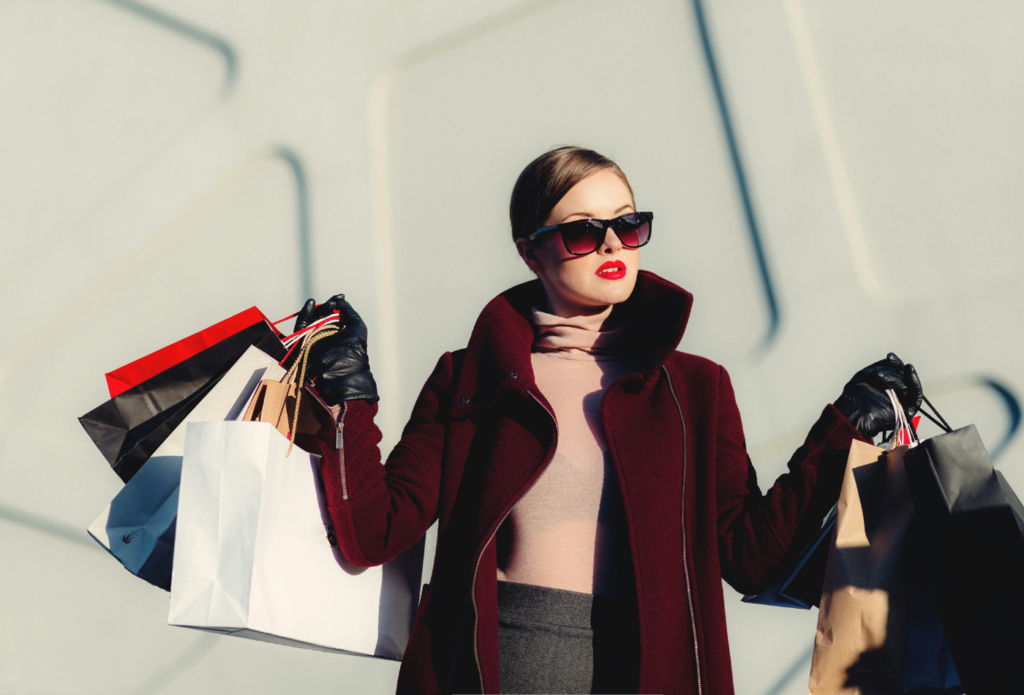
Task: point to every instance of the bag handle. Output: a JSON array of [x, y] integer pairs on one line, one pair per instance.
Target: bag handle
[[295, 339], [291, 316], [898, 408], [297, 375], [941, 422], [902, 424], [311, 328]]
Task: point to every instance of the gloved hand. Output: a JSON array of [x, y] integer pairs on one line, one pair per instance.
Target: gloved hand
[[864, 401], [339, 362]]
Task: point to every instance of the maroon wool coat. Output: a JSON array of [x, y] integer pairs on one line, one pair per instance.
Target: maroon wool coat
[[481, 433]]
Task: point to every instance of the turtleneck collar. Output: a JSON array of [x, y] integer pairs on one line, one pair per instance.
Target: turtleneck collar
[[598, 336], [498, 357]]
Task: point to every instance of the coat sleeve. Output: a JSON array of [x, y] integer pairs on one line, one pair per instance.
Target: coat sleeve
[[755, 530], [379, 511]]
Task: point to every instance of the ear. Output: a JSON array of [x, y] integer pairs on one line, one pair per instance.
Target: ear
[[529, 255]]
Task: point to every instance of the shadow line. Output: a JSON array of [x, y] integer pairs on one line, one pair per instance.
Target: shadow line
[[189, 31], [47, 526], [183, 662], [1014, 411], [741, 179], [291, 158], [801, 663]]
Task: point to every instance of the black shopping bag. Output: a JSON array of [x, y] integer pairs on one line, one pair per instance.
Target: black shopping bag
[[800, 582], [128, 428], [928, 667], [971, 534]]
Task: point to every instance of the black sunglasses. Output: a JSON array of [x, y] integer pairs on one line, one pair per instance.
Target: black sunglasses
[[582, 237]]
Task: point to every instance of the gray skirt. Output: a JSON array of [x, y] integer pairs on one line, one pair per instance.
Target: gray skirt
[[558, 641]]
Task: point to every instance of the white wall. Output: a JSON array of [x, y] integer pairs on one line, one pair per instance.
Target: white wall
[[164, 164]]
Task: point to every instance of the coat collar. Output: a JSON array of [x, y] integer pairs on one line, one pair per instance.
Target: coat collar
[[498, 358]]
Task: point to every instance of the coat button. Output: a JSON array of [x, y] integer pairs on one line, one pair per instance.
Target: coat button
[[465, 399], [513, 375]]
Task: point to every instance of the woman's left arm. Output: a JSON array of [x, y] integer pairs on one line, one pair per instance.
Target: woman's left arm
[[755, 529]]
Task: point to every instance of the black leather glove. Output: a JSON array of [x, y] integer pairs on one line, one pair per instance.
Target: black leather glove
[[339, 362], [864, 401]]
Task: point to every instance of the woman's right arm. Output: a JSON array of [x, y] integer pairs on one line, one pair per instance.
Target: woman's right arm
[[379, 511]]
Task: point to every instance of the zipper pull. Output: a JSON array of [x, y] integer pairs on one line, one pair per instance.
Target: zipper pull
[[338, 412]]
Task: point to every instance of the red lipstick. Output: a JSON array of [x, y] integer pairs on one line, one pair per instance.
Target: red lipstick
[[612, 270]]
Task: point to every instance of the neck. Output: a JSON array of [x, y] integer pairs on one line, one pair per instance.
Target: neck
[[592, 336], [570, 311], [559, 306]]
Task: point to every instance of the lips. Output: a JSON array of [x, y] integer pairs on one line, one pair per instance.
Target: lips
[[612, 270]]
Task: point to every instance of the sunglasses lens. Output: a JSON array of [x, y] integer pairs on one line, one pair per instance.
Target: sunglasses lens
[[584, 237], [634, 230]]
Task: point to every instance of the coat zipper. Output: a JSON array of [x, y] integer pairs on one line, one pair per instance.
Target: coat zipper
[[339, 444], [476, 614], [339, 436], [682, 513]]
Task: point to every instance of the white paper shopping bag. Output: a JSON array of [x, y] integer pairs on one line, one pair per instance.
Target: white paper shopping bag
[[252, 556], [138, 526]]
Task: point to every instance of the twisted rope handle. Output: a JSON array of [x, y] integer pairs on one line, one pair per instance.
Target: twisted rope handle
[[300, 372]]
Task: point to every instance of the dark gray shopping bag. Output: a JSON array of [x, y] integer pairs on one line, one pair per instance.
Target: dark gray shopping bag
[[971, 535], [928, 667], [799, 584]]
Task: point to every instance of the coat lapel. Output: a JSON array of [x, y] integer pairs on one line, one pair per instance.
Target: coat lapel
[[502, 339]]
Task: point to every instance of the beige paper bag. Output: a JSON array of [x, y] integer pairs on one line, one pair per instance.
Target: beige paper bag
[[859, 642], [275, 401]]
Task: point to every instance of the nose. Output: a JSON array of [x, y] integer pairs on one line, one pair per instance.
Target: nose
[[611, 242]]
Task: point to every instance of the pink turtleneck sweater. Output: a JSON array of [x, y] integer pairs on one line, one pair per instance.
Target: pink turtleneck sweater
[[569, 530]]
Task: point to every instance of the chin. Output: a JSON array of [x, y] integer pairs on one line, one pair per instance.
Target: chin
[[613, 291], [595, 292]]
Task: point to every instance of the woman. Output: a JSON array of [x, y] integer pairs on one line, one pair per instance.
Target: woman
[[591, 483]]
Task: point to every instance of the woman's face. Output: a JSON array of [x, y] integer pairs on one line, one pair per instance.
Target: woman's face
[[576, 285]]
